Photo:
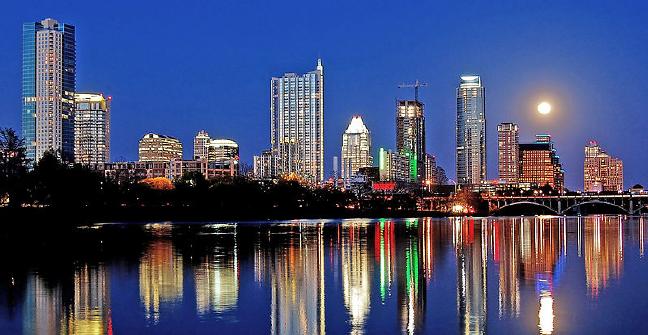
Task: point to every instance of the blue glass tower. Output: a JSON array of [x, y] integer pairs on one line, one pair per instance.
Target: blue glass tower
[[48, 87]]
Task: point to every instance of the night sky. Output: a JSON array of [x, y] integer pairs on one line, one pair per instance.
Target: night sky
[[177, 68]]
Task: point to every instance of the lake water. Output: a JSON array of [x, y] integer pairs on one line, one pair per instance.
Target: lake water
[[518, 275]]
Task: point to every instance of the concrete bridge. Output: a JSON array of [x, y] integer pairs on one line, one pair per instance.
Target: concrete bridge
[[631, 204]]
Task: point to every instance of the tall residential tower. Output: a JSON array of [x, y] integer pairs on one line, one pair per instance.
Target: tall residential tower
[[297, 123], [92, 128], [48, 86], [601, 171], [410, 136], [471, 130], [356, 148], [508, 152]]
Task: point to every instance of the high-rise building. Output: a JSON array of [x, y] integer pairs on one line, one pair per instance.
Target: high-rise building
[[356, 148], [601, 171], [263, 165], [159, 148], [393, 166], [410, 135], [471, 130], [48, 86], [430, 170], [540, 164], [508, 152], [297, 123], [92, 128], [201, 145]]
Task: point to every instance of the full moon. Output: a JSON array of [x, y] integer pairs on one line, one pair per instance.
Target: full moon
[[544, 108]]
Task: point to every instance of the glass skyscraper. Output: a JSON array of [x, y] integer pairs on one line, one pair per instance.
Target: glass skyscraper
[[92, 128], [48, 86], [297, 124], [471, 131], [508, 152], [410, 136]]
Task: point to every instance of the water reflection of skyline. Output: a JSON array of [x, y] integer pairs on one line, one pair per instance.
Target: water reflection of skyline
[[160, 274], [46, 311], [357, 270], [293, 259], [316, 270], [216, 276]]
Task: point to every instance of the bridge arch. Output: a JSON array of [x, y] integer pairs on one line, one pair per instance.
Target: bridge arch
[[594, 202], [643, 207], [526, 203]]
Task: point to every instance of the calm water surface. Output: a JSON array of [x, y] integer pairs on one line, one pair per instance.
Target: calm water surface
[[497, 275]]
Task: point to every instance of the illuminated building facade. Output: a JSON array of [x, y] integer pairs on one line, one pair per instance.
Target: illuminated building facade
[[297, 123], [263, 165], [173, 170], [471, 131], [601, 171], [430, 170], [356, 148], [201, 145], [410, 135], [159, 148], [223, 150], [48, 86], [393, 166], [508, 152], [214, 149], [540, 165], [92, 128]]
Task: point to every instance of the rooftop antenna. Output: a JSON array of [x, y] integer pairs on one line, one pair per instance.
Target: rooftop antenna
[[416, 86]]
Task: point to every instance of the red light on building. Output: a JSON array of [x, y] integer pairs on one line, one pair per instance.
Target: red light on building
[[384, 186]]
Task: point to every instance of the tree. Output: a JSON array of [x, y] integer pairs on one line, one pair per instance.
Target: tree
[[13, 167]]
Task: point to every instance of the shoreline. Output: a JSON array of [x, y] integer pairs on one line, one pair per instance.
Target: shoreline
[[51, 217]]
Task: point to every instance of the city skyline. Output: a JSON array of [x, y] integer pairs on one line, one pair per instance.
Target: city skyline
[[540, 73]]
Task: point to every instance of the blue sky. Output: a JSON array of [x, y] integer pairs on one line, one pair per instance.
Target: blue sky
[[177, 67]]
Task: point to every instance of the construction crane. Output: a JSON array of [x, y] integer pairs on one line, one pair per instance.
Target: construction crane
[[416, 86]]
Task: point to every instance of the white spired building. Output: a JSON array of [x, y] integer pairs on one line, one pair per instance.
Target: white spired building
[[356, 148], [297, 124]]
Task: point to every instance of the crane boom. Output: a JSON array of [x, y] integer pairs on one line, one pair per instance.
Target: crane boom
[[415, 85]]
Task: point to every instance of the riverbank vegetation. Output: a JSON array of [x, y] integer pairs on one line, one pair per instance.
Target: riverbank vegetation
[[51, 186]]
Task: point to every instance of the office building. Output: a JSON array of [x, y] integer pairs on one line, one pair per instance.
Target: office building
[[173, 170], [540, 164], [601, 171], [297, 124], [471, 131], [201, 145], [159, 148], [508, 152], [356, 148], [92, 128], [48, 87], [393, 166], [410, 135], [222, 150]]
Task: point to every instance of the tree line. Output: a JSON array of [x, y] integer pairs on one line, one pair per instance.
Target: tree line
[[51, 183]]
